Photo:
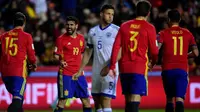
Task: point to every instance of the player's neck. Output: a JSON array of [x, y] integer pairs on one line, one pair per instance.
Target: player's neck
[[141, 18], [73, 35], [104, 25], [19, 27], [174, 25]]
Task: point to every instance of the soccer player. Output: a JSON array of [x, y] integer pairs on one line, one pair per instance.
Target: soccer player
[[16, 47], [69, 49], [135, 37], [176, 42], [100, 40]]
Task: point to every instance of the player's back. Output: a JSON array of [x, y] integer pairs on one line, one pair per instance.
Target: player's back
[[136, 36], [15, 44], [176, 42]]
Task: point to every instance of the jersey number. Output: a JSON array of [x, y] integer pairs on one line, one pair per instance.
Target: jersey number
[[75, 50], [10, 44], [99, 44], [176, 39], [134, 40]]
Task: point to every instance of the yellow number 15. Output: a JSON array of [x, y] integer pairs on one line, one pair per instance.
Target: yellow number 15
[[10, 43], [175, 45], [133, 39]]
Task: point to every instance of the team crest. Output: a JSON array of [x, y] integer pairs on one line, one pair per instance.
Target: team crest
[[81, 43], [108, 34], [66, 92]]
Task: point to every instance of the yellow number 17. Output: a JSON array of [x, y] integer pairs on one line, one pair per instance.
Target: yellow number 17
[[175, 45]]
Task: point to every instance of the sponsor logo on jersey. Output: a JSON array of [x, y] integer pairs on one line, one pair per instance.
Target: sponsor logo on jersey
[[108, 34]]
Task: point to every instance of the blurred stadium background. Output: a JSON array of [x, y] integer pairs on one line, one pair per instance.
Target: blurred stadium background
[[45, 21]]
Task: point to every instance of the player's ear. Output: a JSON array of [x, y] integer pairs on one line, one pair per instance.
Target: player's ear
[[76, 26], [179, 20], [101, 14], [168, 20], [148, 14]]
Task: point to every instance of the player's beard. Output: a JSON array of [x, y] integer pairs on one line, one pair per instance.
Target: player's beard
[[107, 21], [71, 32]]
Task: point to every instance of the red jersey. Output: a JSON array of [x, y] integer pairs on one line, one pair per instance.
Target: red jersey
[[70, 49], [135, 37], [175, 42], [16, 46], [0, 53]]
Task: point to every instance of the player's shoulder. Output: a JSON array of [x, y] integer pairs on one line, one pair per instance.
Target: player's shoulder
[[148, 25], [80, 36], [27, 34], [124, 24], [3, 34], [60, 37], [93, 29], [185, 30], [115, 27]]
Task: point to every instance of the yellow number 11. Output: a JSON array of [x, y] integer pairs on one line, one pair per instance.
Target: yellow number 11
[[175, 45]]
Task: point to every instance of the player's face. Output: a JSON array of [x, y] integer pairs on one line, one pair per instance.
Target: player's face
[[71, 27], [107, 16]]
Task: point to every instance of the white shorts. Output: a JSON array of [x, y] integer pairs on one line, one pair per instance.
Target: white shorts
[[104, 86]]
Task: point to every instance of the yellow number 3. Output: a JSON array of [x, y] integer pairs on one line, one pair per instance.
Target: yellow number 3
[[11, 44], [133, 39]]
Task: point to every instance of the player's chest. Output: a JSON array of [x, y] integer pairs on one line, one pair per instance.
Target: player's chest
[[72, 44], [102, 39]]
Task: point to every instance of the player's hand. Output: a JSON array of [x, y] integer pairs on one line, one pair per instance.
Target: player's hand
[[112, 73], [32, 67], [104, 71], [63, 63], [150, 66], [76, 75]]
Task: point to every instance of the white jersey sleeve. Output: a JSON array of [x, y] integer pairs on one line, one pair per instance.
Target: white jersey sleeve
[[89, 39]]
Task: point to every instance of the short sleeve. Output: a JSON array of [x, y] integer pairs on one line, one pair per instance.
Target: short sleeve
[[82, 44], [89, 39], [192, 40], [58, 48]]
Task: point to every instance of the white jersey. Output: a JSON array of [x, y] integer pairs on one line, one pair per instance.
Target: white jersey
[[102, 41]]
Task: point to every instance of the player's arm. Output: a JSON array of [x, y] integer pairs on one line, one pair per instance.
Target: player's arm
[[0, 46], [116, 50], [195, 52], [153, 45], [88, 51], [160, 39], [58, 52], [86, 56], [31, 54]]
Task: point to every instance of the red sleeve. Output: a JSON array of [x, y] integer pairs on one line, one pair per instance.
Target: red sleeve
[[192, 40], [83, 45], [115, 49], [153, 47], [31, 51], [58, 48], [160, 37]]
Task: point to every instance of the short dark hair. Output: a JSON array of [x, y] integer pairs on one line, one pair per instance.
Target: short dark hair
[[174, 16], [143, 7], [19, 19], [106, 6], [72, 18]]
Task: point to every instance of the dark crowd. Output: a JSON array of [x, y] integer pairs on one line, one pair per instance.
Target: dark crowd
[[46, 19]]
